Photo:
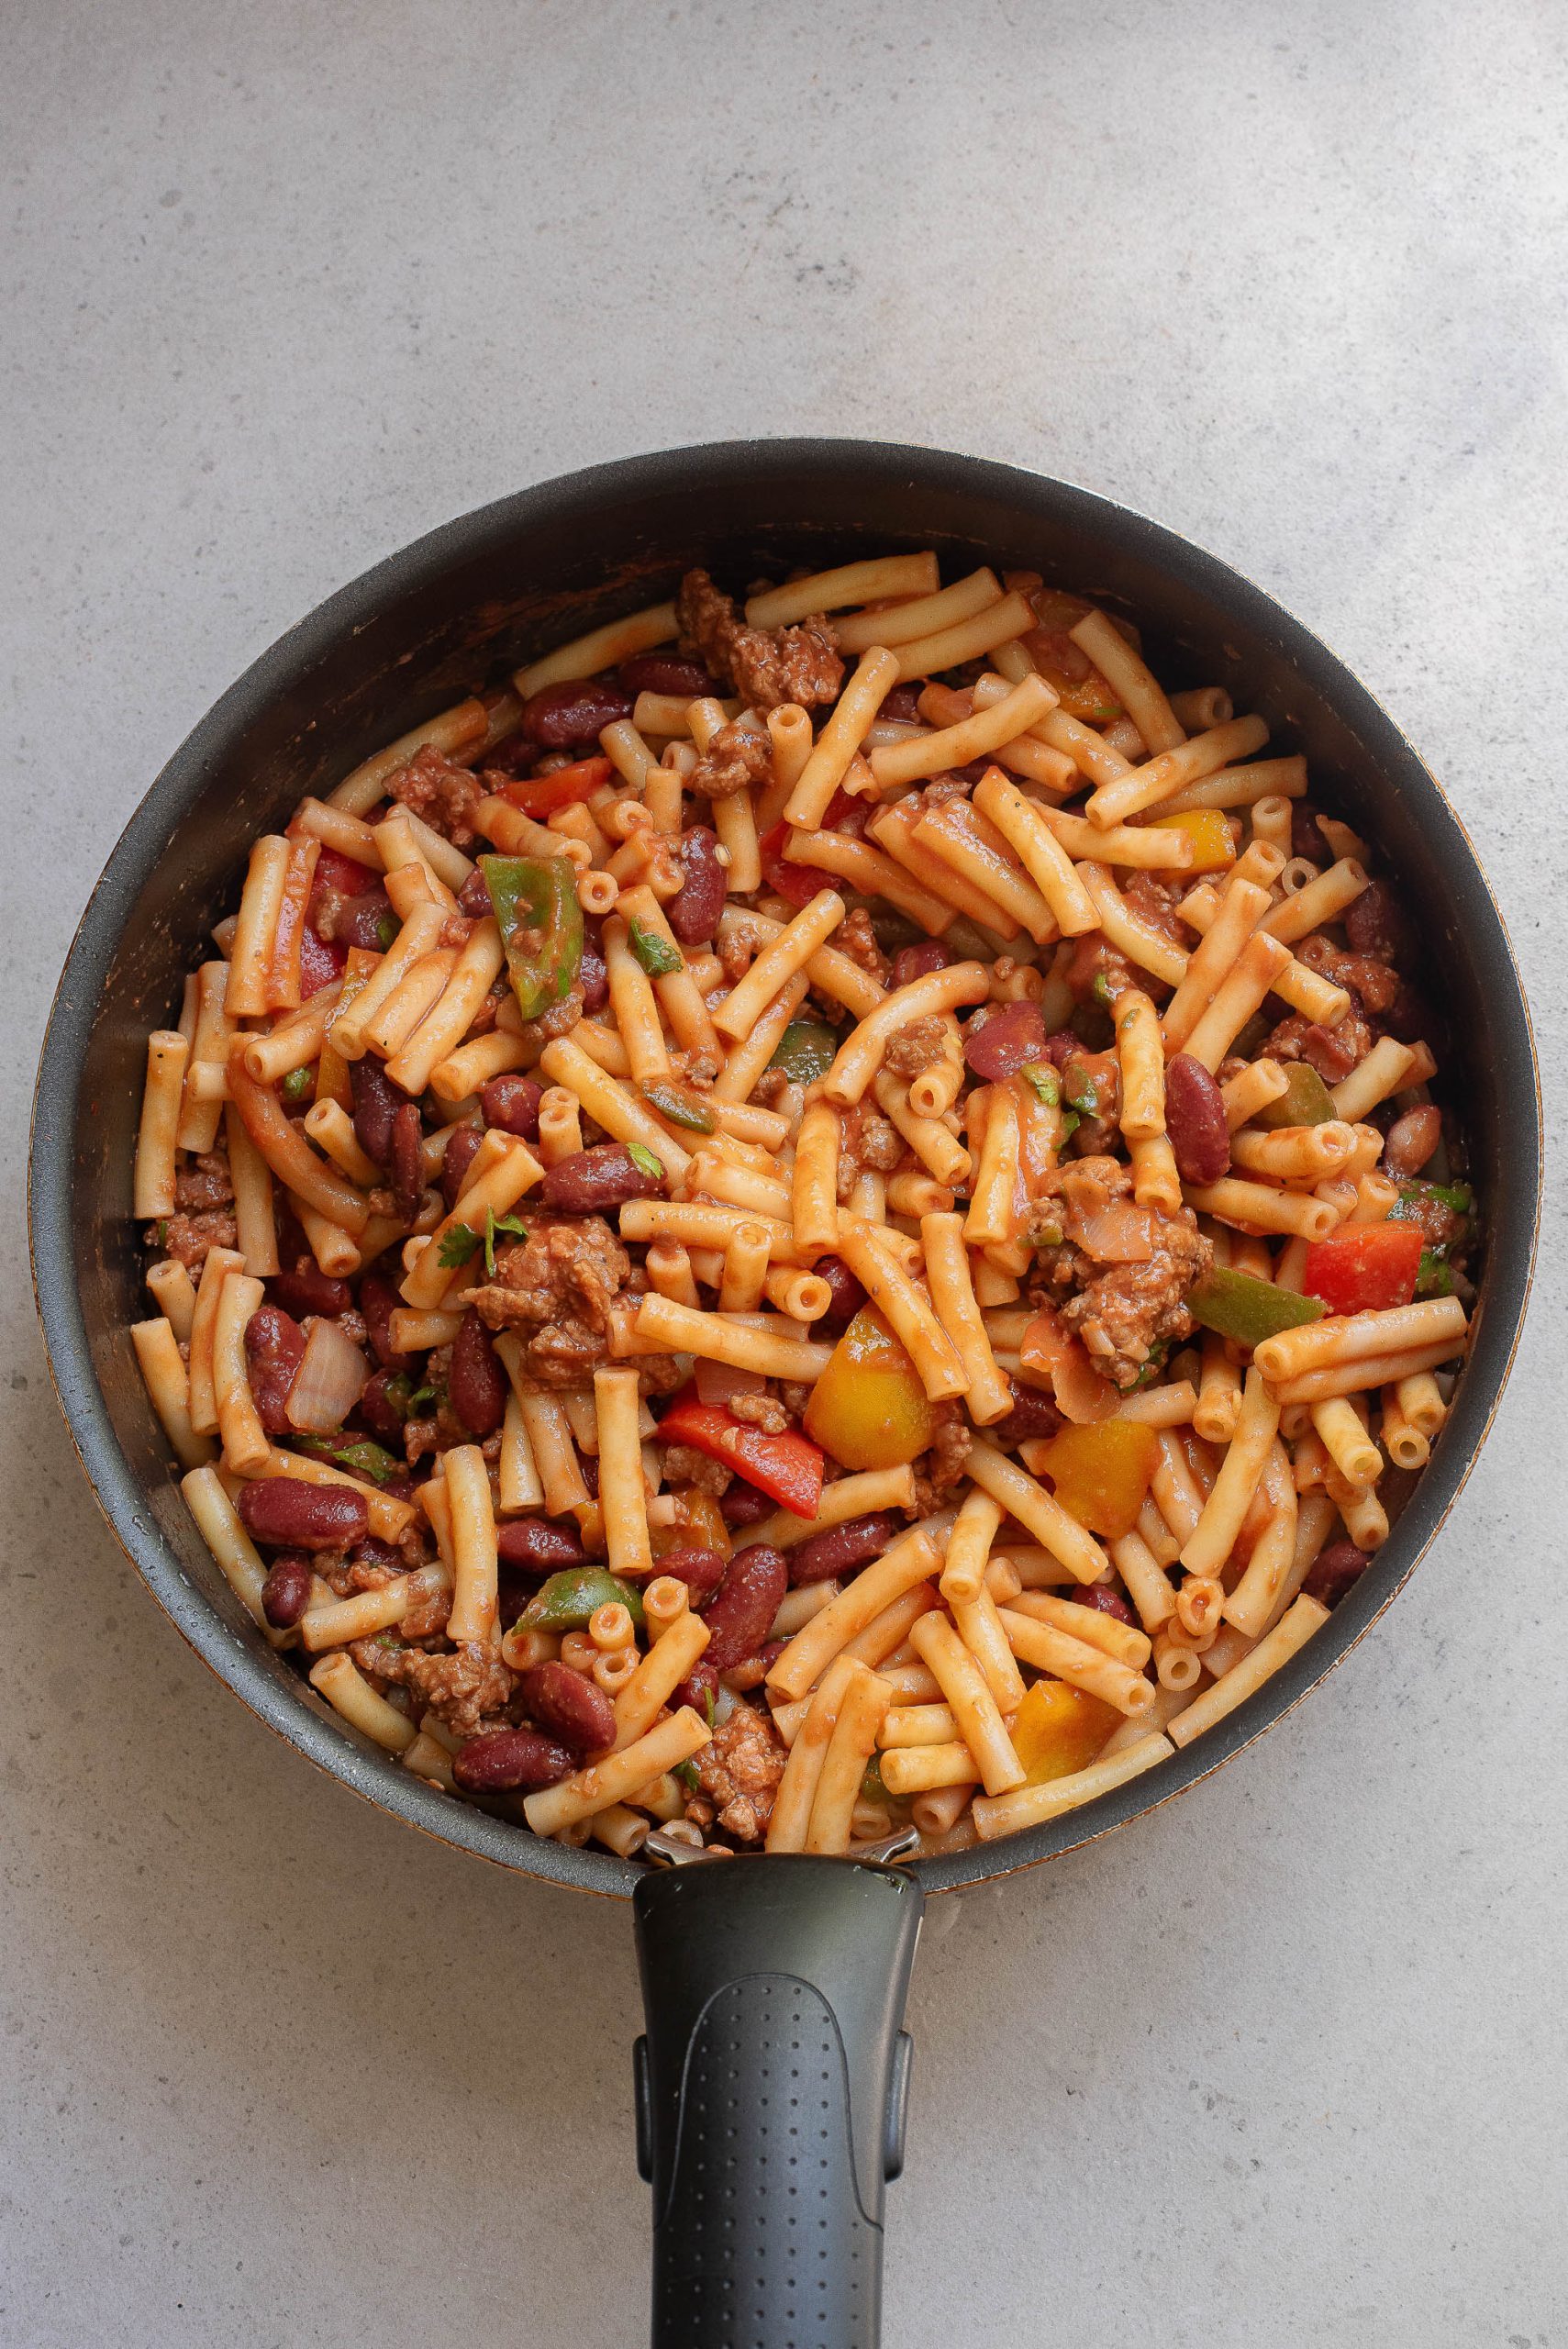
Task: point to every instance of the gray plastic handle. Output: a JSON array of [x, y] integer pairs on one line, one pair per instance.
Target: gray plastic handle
[[771, 2091]]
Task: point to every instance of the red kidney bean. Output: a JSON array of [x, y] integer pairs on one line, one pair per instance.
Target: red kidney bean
[[693, 912], [502, 1760], [512, 1103], [912, 963], [1033, 1414], [1333, 1571], [848, 1295], [372, 1552], [308, 1289], [592, 1181], [476, 1384], [474, 898], [593, 977], [701, 1569], [457, 1159], [843, 1547], [568, 1706], [1012, 1038], [360, 921], [902, 705], [286, 1593], [562, 716], [1411, 1141], [378, 1302], [274, 1348], [535, 1547], [742, 1610], [288, 1513], [742, 1504], [376, 1103], [1377, 923], [378, 1411], [1307, 839], [1194, 1120], [699, 1684], [1061, 1045], [1105, 1601], [665, 672], [408, 1163]]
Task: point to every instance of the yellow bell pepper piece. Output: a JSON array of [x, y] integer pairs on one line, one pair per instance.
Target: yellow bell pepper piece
[[1213, 847], [1058, 1729], [868, 1408], [702, 1526], [1102, 1472]]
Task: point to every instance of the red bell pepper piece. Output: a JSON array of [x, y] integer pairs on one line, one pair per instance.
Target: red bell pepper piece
[[798, 883], [541, 794], [786, 1468], [1364, 1267]]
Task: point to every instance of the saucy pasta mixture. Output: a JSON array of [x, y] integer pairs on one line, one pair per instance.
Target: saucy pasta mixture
[[824, 1214]]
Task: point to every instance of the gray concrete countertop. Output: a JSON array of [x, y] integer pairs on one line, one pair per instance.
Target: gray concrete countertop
[[287, 286]]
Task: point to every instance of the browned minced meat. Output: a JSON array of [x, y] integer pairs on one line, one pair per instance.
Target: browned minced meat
[[205, 1181], [857, 938], [1332, 1052], [1370, 981], [737, 757], [944, 1465], [740, 1773], [763, 1411], [914, 1048], [1121, 1312], [766, 666], [463, 1688], [559, 1020], [187, 1238], [558, 1285], [683, 1464], [870, 1141], [445, 796]]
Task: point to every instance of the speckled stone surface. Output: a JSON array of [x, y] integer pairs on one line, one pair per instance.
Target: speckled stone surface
[[286, 286]]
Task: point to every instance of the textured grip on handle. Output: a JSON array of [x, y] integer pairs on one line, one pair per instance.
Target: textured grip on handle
[[770, 2091]]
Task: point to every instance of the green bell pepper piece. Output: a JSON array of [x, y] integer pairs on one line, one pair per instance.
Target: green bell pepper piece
[[679, 1106], [535, 905], [1237, 1306], [565, 1602], [1305, 1102], [1458, 1197], [370, 1461], [805, 1050]]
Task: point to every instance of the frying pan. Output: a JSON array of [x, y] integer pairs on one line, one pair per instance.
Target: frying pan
[[770, 2088]]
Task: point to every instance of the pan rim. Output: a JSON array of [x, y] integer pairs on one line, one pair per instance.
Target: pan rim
[[294, 1713]]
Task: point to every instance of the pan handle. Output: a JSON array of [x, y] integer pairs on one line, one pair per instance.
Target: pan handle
[[770, 2092]]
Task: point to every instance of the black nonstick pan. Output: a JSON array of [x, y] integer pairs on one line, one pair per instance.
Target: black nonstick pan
[[771, 2086]]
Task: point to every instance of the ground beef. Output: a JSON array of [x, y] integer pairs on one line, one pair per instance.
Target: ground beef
[[870, 1141], [1332, 1052], [737, 757], [683, 1464], [1122, 1312], [187, 1238], [442, 795], [463, 1688], [917, 1047], [944, 1465], [740, 1773], [765, 667], [204, 1182], [1155, 902], [857, 938], [763, 1411], [557, 1286], [559, 1020], [1372, 984]]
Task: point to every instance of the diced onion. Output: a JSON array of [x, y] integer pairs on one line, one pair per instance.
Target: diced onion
[[329, 1381], [717, 1382], [1119, 1233]]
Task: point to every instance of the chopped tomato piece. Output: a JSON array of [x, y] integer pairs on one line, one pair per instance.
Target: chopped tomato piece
[[1364, 1267], [1101, 1474], [541, 794], [321, 961], [1058, 1728], [798, 883], [786, 1468], [1213, 846], [345, 874], [868, 1409]]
